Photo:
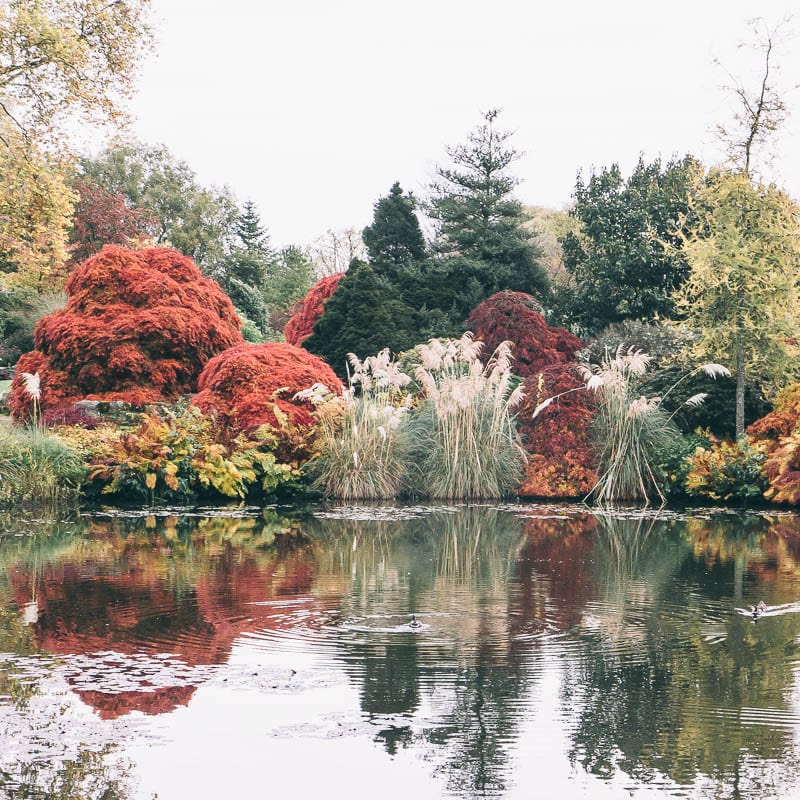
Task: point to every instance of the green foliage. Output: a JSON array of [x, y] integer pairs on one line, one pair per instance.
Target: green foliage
[[177, 457], [617, 260], [674, 460], [199, 222], [38, 468], [364, 315], [481, 231], [726, 471], [394, 238], [289, 277], [741, 299], [20, 310]]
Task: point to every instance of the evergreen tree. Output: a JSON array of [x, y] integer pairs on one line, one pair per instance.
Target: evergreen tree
[[395, 238], [290, 275], [365, 314], [480, 226]]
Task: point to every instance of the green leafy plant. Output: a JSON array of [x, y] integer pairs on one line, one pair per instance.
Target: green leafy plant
[[176, 457], [726, 471]]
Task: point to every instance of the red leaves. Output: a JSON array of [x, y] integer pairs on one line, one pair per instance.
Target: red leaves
[[308, 310], [251, 385], [560, 462], [139, 327], [514, 316]]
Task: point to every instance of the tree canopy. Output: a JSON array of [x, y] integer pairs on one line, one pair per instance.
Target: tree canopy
[[617, 260]]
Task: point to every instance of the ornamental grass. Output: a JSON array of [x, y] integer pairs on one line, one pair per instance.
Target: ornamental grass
[[362, 451], [463, 441]]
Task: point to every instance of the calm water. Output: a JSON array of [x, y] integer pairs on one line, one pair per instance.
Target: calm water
[[553, 652]]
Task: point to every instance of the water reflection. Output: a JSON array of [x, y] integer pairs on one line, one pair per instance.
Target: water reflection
[[660, 683]]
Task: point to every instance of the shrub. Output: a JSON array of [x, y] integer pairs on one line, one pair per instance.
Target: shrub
[[782, 470], [308, 310], [780, 423], [252, 385], [561, 462], [462, 437], [139, 326], [516, 317], [37, 468], [726, 471], [658, 341], [362, 452], [172, 457]]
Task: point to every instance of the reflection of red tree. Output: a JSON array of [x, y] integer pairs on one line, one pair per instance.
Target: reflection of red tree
[[558, 552], [132, 606]]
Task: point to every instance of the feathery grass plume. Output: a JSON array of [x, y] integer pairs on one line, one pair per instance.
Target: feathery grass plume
[[630, 430], [32, 385], [362, 453], [463, 441]]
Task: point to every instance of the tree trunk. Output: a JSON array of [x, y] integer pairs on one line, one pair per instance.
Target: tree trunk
[[740, 384]]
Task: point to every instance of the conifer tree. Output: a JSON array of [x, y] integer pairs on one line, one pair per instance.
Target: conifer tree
[[480, 225], [394, 239]]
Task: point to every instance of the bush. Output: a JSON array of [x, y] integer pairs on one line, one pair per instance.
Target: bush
[[362, 452], [178, 457], [252, 385], [726, 471], [516, 317], [37, 468], [780, 423], [561, 463], [307, 311], [139, 326], [782, 471]]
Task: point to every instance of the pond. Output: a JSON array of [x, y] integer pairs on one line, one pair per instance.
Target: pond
[[461, 651]]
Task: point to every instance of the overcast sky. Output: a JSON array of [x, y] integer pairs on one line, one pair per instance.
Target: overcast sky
[[313, 108]]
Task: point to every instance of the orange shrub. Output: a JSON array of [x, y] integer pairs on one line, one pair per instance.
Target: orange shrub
[[780, 423], [254, 384], [308, 310], [139, 326]]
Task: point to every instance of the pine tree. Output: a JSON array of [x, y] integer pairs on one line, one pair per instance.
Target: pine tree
[[395, 238], [480, 226]]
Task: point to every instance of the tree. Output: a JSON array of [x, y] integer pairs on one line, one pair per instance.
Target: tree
[[480, 227], [741, 298], [365, 314], [394, 238], [199, 222], [333, 251], [289, 278], [139, 326], [617, 260], [761, 109], [243, 272], [60, 58], [104, 218], [36, 204]]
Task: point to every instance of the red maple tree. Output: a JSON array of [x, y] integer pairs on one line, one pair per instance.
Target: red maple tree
[[308, 310]]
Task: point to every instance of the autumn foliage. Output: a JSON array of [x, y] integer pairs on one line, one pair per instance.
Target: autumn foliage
[[780, 423], [560, 460], [516, 317], [308, 310], [139, 326], [561, 463], [255, 384]]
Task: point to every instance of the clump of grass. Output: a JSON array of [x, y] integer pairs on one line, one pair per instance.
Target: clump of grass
[[463, 441], [38, 468], [362, 453], [631, 431]]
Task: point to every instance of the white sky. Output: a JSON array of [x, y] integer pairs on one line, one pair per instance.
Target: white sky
[[313, 108]]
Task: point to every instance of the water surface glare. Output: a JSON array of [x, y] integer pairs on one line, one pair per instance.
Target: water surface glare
[[509, 651]]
